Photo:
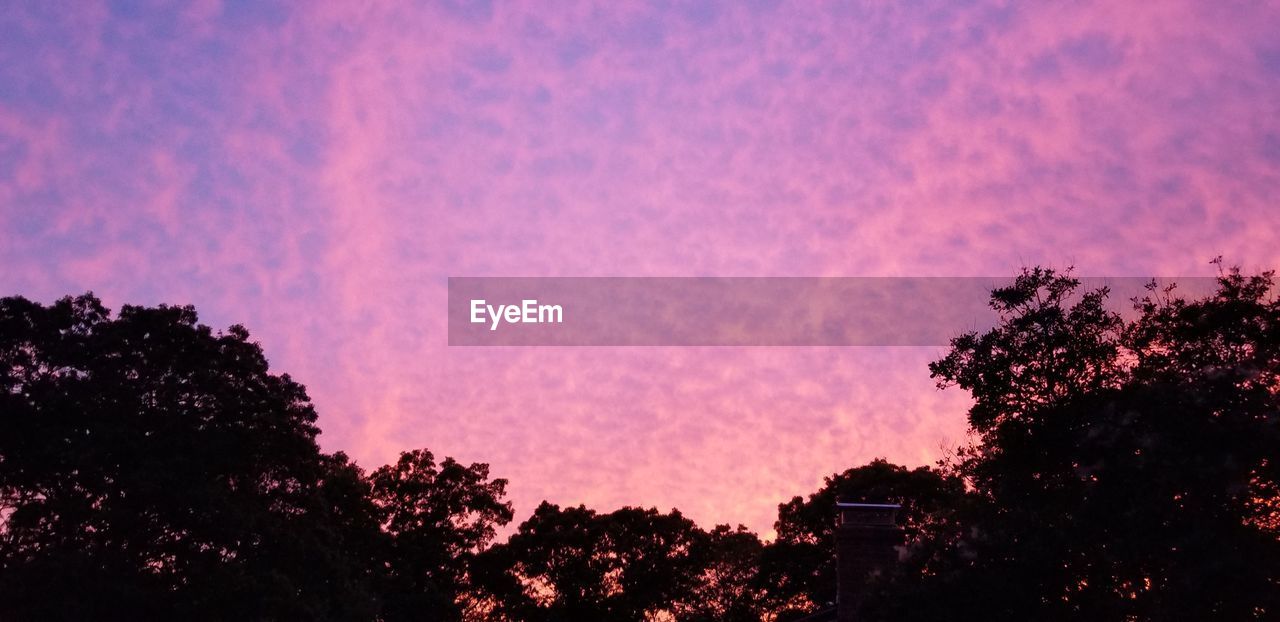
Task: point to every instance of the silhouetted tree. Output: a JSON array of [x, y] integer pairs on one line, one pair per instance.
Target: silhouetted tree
[[575, 564], [437, 518], [729, 587], [153, 469], [1127, 469], [798, 569], [1121, 468]]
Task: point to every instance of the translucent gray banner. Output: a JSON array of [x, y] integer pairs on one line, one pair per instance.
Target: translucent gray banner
[[739, 311]]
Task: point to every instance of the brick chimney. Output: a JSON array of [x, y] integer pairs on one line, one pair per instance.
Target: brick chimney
[[867, 537]]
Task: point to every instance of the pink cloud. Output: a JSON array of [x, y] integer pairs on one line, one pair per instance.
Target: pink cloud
[[318, 176]]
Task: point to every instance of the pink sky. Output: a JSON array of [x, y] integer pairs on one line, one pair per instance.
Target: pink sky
[[317, 175]]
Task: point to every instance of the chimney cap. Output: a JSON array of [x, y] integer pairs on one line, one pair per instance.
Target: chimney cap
[[867, 514], [872, 506]]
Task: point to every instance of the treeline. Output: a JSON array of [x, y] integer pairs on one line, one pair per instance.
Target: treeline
[[1120, 468]]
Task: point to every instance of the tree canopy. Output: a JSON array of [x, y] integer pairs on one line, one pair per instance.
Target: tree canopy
[[437, 517], [799, 568], [1126, 466], [576, 564], [1123, 466], [151, 466]]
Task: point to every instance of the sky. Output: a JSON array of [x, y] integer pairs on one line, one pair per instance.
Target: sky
[[316, 171]]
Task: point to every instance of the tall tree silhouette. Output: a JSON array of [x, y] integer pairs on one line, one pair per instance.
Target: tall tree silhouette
[[1127, 467], [1123, 467], [437, 517], [151, 468], [729, 587]]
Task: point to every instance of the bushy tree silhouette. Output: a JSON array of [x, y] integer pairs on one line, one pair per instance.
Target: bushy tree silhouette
[[798, 571], [437, 518], [1122, 468], [153, 469], [1126, 467], [729, 587], [577, 564], [150, 468]]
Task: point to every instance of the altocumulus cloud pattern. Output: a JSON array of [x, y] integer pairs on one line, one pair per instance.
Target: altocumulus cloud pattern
[[317, 175]]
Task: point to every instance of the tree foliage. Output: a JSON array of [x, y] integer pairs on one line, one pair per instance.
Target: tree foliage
[[1122, 466], [729, 587], [1127, 466], [798, 569], [576, 564], [154, 468], [437, 517]]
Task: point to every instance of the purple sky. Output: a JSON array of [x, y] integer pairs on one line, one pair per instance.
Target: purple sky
[[316, 175]]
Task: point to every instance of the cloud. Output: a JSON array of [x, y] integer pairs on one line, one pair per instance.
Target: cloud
[[317, 175]]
